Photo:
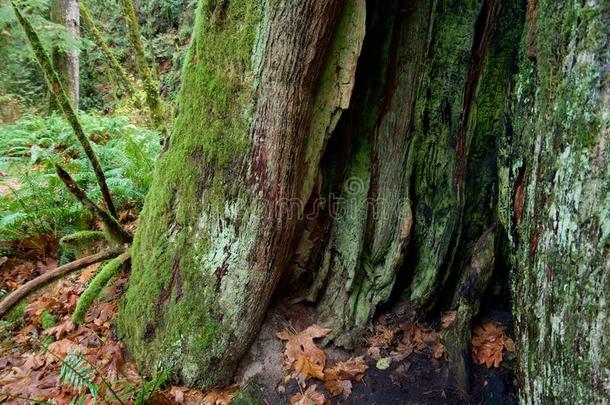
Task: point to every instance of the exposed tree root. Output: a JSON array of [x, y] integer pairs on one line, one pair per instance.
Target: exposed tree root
[[466, 302], [32, 285], [97, 284]]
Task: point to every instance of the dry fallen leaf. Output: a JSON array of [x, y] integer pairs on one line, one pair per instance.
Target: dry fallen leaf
[[438, 351], [177, 393], [221, 396], [383, 336], [310, 397], [304, 368], [509, 344], [339, 387], [351, 369], [339, 378], [488, 344], [301, 344]]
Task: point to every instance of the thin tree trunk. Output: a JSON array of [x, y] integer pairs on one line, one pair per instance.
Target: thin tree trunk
[[114, 65], [151, 87], [61, 97], [66, 62]]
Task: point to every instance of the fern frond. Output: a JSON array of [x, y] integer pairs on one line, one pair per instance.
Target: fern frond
[[77, 373]]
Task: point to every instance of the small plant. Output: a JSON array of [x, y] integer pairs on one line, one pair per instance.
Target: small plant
[[78, 374]]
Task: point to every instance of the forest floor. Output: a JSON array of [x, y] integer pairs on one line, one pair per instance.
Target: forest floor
[[397, 362]]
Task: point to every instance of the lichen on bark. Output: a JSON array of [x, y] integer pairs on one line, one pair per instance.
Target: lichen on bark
[[207, 254], [556, 205]]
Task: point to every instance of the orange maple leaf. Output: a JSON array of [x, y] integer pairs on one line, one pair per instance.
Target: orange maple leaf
[[310, 397], [302, 344]]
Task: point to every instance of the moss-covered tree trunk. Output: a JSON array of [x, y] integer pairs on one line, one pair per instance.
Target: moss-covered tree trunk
[[356, 150], [216, 231], [555, 199], [66, 57]]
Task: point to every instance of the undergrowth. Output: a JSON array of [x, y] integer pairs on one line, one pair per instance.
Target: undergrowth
[[34, 202]]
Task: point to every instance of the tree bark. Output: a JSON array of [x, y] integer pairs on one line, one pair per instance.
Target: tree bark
[[217, 228], [66, 61], [555, 199], [365, 151]]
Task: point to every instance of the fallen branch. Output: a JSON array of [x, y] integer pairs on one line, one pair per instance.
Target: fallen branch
[[113, 226], [63, 101], [32, 285]]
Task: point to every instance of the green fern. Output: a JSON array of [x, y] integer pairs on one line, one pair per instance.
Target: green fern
[[150, 387], [40, 204], [78, 374]]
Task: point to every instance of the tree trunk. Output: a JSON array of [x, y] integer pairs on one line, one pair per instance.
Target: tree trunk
[[216, 228], [360, 151], [66, 61], [555, 199]]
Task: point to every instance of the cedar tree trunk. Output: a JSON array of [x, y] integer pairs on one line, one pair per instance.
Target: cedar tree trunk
[[363, 152]]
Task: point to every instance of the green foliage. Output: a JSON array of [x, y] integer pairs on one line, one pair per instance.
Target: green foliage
[[21, 80], [165, 26], [47, 320], [78, 374], [38, 203], [148, 388]]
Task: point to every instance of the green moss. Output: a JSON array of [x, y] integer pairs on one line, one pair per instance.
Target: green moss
[[169, 316], [97, 284], [151, 87], [248, 395], [17, 313], [61, 97], [334, 89], [47, 320], [81, 239], [437, 129], [560, 251]]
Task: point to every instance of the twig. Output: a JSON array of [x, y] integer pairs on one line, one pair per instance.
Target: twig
[[63, 101], [16, 295], [114, 228]]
